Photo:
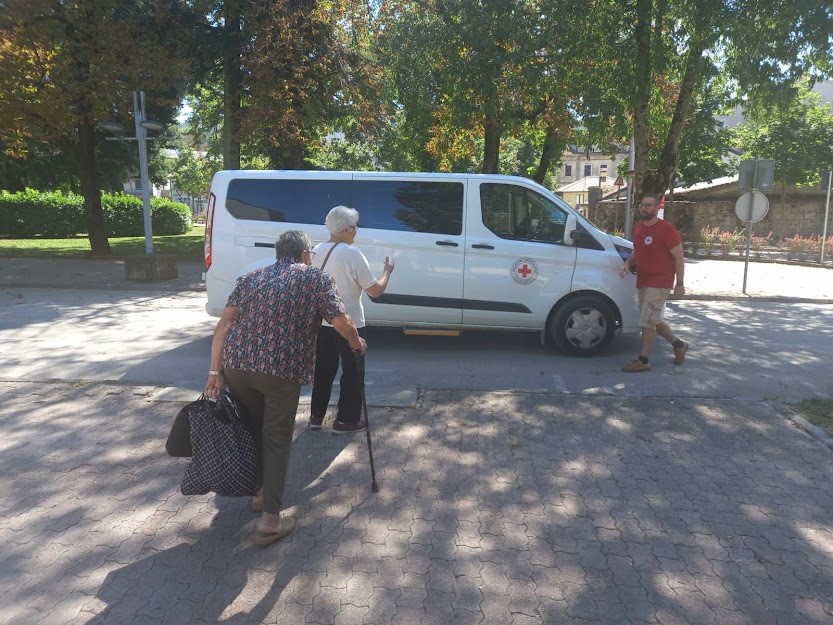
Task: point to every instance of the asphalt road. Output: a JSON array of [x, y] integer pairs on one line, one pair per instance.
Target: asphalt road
[[754, 350]]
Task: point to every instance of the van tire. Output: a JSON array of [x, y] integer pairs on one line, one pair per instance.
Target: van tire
[[582, 325]]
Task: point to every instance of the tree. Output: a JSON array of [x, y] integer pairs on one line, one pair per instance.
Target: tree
[[64, 66], [795, 134], [672, 53], [470, 73]]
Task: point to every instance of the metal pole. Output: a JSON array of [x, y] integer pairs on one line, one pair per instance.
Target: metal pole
[[826, 213], [749, 221], [630, 198], [141, 139]]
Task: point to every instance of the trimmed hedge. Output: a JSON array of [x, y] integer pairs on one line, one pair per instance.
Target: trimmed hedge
[[55, 215]]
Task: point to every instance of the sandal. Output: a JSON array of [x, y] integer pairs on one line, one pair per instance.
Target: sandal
[[263, 539]]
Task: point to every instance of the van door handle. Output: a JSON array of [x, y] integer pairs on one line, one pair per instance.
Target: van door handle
[[448, 243], [482, 246]]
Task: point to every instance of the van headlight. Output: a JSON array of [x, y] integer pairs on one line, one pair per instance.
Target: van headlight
[[624, 252]]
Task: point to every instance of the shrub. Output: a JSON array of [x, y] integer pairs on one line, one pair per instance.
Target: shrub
[[729, 241], [169, 217], [51, 214], [708, 238], [802, 248], [31, 213], [758, 243]]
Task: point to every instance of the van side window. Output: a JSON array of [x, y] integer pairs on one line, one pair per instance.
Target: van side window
[[519, 214], [412, 206], [293, 201]]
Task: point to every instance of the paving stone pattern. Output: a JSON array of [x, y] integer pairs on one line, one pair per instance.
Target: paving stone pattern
[[502, 508]]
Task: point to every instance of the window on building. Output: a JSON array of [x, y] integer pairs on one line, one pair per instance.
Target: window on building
[[588, 170], [568, 171]]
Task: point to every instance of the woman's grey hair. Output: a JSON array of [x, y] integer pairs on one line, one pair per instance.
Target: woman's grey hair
[[292, 243], [341, 217]]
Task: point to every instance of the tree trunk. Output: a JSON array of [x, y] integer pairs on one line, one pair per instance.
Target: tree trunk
[[642, 94], [491, 148], [96, 227], [233, 83], [547, 154]]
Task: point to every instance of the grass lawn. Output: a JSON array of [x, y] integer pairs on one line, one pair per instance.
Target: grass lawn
[[185, 246], [817, 411]]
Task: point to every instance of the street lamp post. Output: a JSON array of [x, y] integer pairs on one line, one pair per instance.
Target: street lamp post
[[141, 139], [142, 126]]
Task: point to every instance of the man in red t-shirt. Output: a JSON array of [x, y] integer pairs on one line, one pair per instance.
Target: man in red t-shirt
[[658, 255]]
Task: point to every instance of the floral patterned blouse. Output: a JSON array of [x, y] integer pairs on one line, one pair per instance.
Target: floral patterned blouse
[[280, 308]]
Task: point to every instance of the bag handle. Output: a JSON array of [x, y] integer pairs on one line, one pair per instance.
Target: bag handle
[[327, 257]]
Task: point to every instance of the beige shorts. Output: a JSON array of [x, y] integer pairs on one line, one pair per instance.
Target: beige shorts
[[651, 305]]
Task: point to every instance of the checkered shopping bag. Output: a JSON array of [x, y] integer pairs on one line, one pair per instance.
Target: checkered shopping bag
[[225, 455]]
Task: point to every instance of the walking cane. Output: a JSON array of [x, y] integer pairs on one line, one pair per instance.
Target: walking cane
[[373, 485]]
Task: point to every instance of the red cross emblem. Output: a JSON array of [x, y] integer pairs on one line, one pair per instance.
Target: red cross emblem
[[524, 270]]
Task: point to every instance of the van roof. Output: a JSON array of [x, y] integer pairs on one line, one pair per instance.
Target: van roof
[[336, 175]]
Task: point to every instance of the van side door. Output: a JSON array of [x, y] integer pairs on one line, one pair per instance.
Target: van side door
[[418, 222], [517, 265]]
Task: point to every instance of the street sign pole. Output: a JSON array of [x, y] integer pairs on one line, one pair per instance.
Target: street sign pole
[[826, 213], [749, 222]]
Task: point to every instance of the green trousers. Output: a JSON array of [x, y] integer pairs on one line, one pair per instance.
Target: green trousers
[[271, 404]]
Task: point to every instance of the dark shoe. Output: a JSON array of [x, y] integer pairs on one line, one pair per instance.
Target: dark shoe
[[636, 366], [339, 427], [315, 423], [679, 353]]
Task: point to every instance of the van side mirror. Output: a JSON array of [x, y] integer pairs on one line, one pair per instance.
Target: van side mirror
[[569, 230]]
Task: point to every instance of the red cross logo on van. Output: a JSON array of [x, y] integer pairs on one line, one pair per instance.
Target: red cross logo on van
[[524, 271]]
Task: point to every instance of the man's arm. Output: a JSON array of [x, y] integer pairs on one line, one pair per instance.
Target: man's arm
[[345, 327], [215, 384], [378, 287], [679, 269], [626, 266]]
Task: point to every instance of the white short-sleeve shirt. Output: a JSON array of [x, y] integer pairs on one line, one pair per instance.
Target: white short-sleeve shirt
[[351, 271]]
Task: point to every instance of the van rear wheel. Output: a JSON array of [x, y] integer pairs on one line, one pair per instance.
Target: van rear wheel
[[582, 326]]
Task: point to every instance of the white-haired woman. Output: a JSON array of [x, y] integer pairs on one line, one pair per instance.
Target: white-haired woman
[[349, 267]]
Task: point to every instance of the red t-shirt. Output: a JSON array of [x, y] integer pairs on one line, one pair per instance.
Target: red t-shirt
[[652, 246]]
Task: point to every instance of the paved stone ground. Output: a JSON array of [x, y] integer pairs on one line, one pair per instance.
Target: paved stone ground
[[494, 508]]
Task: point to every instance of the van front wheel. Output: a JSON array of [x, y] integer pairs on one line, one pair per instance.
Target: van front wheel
[[582, 326]]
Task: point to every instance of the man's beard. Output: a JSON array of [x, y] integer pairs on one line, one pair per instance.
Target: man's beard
[[647, 217]]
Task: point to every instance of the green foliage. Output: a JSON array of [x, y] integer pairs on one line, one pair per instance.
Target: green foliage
[[725, 241], [805, 248], [344, 155], [796, 134], [52, 214]]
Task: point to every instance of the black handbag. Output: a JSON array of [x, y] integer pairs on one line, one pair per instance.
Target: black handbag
[[178, 444], [225, 457]]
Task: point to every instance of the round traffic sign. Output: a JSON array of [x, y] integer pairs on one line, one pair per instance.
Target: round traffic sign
[[752, 206]]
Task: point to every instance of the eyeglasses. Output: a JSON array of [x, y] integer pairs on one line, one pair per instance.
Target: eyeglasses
[[354, 227], [648, 204], [311, 253]]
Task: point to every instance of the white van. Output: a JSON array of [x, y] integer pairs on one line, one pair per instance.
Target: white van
[[471, 251]]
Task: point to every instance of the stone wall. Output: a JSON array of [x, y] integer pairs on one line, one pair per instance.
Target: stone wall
[[803, 216]]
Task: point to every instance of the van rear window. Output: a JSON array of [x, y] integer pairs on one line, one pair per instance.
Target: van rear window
[[293, 201], [412, 206]]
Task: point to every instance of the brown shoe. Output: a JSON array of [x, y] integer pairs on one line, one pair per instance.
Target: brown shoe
[[679, 353], [636, 366]]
